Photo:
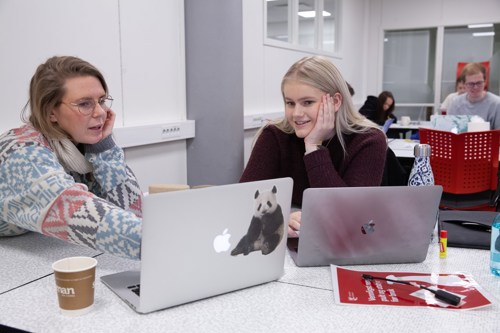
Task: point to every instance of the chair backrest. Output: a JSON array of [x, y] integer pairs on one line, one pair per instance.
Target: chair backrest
[[394, 173], [463, 163]]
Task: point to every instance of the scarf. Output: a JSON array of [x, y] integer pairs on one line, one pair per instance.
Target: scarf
[[69, 156]]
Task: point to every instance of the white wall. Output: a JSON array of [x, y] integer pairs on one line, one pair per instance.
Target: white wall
[[154, 84], [32, 31], [153, 61], [139, 47]]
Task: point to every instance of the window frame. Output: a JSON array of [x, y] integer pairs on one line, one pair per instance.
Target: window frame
[[293, 30], [438, 74]]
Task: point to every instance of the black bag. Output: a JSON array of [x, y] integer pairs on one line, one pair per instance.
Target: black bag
[[468, 229]]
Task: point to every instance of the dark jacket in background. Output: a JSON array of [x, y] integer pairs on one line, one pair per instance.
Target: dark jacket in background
[[369, 110]]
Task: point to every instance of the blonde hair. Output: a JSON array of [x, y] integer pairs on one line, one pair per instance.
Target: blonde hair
[[319, 72], [47, 90], [473, 68]]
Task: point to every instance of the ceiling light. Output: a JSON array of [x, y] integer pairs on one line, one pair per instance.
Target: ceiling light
[[312, 13], [485, 25], [483, 34]]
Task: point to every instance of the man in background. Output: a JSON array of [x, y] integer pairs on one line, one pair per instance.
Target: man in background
[[476, 100]]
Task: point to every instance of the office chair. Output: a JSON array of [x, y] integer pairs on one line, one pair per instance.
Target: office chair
[[466, 165], [394, 172]]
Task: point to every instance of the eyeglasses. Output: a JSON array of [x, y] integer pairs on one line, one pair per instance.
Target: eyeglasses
[[87, 106], [474, 84]]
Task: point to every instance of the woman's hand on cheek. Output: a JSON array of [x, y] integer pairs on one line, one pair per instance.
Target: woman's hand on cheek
[[294, 224], [109, 123], [330, 108], [325, 122]]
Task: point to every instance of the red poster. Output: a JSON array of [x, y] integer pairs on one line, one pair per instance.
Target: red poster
[[349, 287]]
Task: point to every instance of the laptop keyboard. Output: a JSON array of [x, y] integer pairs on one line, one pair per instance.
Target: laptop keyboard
[[136, 289]]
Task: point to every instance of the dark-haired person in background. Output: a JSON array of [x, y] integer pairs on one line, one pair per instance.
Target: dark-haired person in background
[[379, 109]]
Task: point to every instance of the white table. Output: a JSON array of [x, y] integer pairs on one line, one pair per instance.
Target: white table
[[402, 147], [413, 125], [30, 256], [301, 301], [412, 128]]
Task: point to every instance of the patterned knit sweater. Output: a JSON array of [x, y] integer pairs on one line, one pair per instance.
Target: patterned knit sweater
[[100, 210], [277, 154]]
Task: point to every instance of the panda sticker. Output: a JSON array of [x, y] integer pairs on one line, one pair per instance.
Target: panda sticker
[[266, 227]]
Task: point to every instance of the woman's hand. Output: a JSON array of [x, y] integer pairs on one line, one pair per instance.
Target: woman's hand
[[325, 121], [109, 123], [294, 224]]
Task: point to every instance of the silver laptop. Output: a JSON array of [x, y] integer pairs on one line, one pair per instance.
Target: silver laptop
[[365, 225], [204, 242]]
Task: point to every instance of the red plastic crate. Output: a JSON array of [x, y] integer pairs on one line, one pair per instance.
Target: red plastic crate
[[463, 163]]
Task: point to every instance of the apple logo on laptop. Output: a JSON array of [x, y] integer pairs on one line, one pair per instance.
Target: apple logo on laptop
[[221, 242], [368, 228]]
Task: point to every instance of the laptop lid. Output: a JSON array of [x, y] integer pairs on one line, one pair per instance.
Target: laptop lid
[[366, 225], [204, 242]]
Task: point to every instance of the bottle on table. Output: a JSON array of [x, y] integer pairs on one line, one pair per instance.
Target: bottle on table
[[495, 247], [421, 172]]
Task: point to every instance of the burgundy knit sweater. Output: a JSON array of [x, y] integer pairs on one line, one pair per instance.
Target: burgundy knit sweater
[[277, 154]]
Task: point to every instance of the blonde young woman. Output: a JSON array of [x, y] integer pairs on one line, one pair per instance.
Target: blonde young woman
[[322, 141]]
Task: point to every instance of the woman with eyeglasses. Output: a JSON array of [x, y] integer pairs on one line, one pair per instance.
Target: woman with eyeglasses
[[477, 100], [61, 173]]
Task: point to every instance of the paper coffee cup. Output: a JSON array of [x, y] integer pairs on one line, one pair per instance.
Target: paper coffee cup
[[75, 278]]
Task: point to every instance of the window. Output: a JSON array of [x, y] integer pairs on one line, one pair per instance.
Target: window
[[419, 79], [409, 62], [409, 65], [303, 24], [464, 44], [277, 20]]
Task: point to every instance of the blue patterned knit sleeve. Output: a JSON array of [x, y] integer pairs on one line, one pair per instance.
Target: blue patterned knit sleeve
[[37, 194], [117, 182]]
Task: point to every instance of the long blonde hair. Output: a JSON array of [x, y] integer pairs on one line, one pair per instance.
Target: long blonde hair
[[319, 72]]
